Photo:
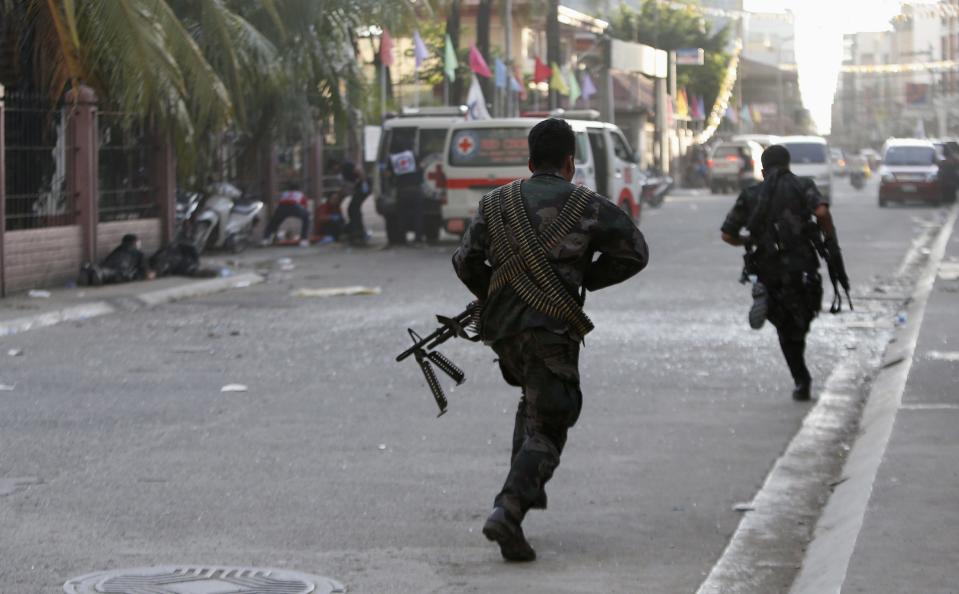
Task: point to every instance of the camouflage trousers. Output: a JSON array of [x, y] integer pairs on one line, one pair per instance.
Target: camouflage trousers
[[546, 366]]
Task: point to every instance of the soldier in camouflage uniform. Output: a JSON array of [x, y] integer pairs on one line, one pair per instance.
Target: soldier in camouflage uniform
[[779, 216], [539, 352]]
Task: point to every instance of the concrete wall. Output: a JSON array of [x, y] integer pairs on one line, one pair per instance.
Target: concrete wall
[[110, 234], [39, 258]]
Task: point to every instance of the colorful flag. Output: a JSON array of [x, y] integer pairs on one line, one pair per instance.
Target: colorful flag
[[702, 107], [450, 63], [574, 91], [588, 88], [746, 116], [500, 68], [556, 82], [477, 63], [420, 53], [694, 112], [756, 114], [518, 77], [386, 49], [514, 85], [541, 72], [476, 102], [682, 104]]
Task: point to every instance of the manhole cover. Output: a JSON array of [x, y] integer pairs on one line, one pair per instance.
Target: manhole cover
[[201, 580]]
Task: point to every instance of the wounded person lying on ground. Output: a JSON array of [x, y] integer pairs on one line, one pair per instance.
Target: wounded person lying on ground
[[124, 264]]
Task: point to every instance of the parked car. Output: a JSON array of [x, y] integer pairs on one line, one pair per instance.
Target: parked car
[[809, 157], [735, 165], [422, 132], [909, 172], [482, 155], [840, 166]]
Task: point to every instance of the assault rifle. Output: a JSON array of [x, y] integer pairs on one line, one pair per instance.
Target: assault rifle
[[422, 350]]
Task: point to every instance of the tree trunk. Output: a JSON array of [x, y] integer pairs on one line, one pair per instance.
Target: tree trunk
[[453, 30], [552, 46], [482, 44]]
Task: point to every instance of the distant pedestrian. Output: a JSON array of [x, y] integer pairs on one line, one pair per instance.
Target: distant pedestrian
[[786, 217], [949, 173], [357, 189], [293, 203]]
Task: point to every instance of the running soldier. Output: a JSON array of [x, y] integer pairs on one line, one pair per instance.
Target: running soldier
[[528, 256], [788, 222]]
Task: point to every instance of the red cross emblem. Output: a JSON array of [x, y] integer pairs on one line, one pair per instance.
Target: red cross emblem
[[437, 176], [465, 145]]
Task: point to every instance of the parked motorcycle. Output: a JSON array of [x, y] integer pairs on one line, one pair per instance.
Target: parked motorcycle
[[186, 205], [655, 188], [225, 222]]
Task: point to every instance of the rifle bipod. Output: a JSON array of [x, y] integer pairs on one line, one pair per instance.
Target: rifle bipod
[[426, 357]]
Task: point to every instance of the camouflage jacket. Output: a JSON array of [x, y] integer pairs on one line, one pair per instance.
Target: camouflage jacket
[[604, 229], [794, 207]]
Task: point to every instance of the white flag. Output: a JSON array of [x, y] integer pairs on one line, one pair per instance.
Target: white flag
[[476, 102]]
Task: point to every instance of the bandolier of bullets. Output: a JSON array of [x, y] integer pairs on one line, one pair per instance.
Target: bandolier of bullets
[[529, 271]]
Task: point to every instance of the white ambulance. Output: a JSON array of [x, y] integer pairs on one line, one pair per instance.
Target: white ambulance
[[482, 155]]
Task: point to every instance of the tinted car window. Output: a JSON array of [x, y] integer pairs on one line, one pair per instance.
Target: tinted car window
[[431, 142], [402, 139], [485, 147], [910, 155], [806, 152], [727, 150]]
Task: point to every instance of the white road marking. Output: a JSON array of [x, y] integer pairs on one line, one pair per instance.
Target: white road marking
[[943, 355], [752, 553], [929, 406], [827, 559]]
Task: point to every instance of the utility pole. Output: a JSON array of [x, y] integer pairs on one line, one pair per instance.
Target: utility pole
[[508, 51]]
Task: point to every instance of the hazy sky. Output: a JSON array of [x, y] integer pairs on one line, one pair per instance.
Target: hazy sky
[[819, 28]]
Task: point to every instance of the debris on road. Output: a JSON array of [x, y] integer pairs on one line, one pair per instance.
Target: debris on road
[[7, 387], [381, 447], [242, 284], [39, 294], [233, 388], [744, 506], [15, 352], [286, 264], [952, 356], [336, 292]]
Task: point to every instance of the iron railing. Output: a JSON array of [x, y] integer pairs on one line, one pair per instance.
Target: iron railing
[[124, 182]]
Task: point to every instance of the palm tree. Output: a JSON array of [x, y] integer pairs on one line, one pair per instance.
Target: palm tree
[[196, 66]]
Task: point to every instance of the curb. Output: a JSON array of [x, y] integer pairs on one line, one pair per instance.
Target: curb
[[147, 299]]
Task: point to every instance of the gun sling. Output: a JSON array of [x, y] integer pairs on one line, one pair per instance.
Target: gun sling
[[528, 269]]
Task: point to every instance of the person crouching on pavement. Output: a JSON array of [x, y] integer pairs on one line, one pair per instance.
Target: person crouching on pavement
[[784, 216], [124, 264], [293, 203], [528, 256]]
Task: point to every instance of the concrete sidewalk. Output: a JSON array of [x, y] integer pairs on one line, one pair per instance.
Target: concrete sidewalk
[[894, 526]]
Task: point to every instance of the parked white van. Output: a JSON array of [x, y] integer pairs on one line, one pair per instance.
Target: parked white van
[[809, 157], [482, 155]]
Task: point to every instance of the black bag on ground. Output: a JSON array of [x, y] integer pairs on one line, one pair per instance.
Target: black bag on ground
[[181, 259]]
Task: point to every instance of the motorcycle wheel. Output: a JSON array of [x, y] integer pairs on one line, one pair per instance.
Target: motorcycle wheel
[[235, 244], [201, 233]]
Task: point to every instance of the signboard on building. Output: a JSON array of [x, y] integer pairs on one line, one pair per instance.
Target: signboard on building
[[690, 56], [636, 57]]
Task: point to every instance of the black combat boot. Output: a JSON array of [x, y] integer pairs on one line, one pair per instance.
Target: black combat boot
[[508, 535], [802, 391]]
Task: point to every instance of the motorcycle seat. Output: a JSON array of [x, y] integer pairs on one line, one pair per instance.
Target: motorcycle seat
[[245, 208]]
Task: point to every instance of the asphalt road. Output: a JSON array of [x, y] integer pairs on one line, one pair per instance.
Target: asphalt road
[[119, 449]]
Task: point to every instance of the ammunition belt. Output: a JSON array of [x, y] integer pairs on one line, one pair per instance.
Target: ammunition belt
[[528, 270]]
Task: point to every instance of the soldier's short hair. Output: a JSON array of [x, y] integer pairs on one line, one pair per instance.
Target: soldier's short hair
[[775, 156], [550, 142]]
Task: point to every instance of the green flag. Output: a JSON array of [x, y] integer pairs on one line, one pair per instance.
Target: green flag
[[574, 90], [556, 82], [450, 63]]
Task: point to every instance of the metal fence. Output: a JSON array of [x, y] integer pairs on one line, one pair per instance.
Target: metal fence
[[124, 169], [35, 155]]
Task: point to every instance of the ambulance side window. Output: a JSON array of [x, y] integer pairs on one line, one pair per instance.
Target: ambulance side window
[[621, 147], [582, 149]]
